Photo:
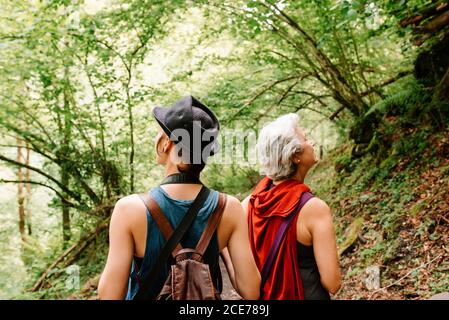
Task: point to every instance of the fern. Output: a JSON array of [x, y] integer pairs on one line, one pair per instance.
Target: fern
[[405, 101]]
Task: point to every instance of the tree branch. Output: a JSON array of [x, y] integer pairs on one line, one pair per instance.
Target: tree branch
[[94, 90], [264, 90], [305, 105], [81, 243], [33, 118], [286, 92], [71, 204], [424, 14], [270, 86], [316, 97], [73, 170], [296, 46], [335, 114], [122, 58], [343, 91], [435, 24], [25, 135], [32, 149], [60, 185], [288, 59], [400, 75]]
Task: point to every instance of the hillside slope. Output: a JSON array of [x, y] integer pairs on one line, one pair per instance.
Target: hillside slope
[[391, 214]]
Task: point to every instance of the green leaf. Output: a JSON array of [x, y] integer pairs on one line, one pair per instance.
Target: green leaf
[[352, 15]]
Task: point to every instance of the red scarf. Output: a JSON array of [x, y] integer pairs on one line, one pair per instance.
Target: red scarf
[[266, 210]]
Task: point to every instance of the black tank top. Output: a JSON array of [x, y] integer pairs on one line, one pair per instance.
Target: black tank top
[[310, 276], [174, 210]]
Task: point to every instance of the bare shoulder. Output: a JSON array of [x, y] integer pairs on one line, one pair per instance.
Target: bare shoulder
[[233, 211], [233, 204], [128, 209], [315, 209], [233, 217], [130, 202], [245, 203]]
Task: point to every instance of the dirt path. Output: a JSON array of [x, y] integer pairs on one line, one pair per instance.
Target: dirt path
[[228, 292]]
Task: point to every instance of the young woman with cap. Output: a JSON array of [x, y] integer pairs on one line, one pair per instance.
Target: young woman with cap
[[186, 137]]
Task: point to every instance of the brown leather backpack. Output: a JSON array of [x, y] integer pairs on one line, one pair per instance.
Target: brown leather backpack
[[189, 277]]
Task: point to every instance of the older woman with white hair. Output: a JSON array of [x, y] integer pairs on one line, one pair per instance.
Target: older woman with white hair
[[291, 231]]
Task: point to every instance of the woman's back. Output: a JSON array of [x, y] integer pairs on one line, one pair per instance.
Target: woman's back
[[129, 237], [174, 210], [296, 271]]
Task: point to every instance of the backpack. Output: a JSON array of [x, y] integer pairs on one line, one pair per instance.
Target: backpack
[[189, 277]]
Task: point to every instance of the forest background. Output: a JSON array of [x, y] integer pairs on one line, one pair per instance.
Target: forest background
[[369, 80]]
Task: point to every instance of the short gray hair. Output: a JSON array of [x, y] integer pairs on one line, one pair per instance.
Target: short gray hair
[[277, 143]]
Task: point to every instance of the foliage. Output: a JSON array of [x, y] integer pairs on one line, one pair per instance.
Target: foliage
[[401, 201], [79, 79]]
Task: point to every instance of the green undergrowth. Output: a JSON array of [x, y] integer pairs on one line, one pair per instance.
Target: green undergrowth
[[402, 197]]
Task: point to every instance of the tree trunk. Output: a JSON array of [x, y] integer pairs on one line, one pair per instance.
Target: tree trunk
[[65, 211], [65, 175], [20, 195], [429, 11], [443, 87], [28, 190], [342, 91], [437, 23], [131, 133], [131, 155]]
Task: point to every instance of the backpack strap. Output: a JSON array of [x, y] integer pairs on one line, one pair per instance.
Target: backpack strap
[[170, 245], [305, 196], [208, 232], [160, 219], [212, 224]]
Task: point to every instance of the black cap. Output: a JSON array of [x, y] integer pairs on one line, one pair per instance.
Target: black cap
[[188, 113]]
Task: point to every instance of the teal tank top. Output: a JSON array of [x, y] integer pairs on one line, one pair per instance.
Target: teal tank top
[[174, 210]]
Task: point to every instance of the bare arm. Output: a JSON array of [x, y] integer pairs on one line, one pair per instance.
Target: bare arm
[[225, 252], [247, 277], [114, 279], [324, 244]]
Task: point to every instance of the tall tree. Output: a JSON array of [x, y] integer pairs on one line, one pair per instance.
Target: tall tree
[[320, 54], [28, 209], [20, 193], [65, 132]]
